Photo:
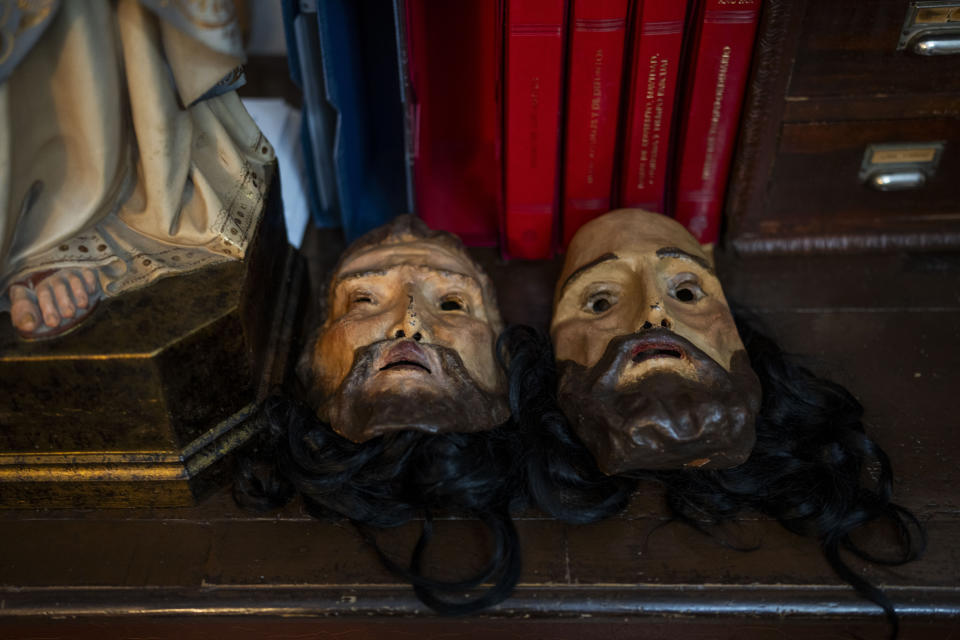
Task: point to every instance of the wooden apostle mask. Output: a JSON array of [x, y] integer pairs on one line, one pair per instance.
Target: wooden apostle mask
[[653, 374], [409, 338]]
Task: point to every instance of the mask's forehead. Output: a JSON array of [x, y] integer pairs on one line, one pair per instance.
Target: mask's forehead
[[629, 234], [425, 254], [408, 251]]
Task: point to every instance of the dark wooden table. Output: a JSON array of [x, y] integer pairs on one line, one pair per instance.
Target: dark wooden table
[[888, 327]]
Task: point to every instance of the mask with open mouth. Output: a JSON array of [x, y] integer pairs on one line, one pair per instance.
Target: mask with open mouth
[[409, 339], [653, 374]]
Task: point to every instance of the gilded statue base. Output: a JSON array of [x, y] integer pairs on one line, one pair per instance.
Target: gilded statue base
[[144, 402]]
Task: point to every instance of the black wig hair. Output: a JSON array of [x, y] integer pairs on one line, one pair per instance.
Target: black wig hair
[[390, 480], [806, 469]]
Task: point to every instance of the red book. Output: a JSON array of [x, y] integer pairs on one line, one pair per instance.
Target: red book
[[593, 98], [655, 66], [454, 58], [718, 72], [534, 75]]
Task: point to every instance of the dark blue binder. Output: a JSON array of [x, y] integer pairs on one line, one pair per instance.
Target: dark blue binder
[[353, 110], [319, 117]]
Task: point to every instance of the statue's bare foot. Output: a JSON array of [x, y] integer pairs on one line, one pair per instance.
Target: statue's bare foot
[[51, 303]]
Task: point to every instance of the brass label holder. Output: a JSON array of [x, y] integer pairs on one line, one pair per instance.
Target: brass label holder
[[931, 28], [900, 166]]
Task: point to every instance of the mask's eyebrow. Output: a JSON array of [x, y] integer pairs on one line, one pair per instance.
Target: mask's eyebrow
[[675, 252], [353, 275], [367, 273], [579, 271]]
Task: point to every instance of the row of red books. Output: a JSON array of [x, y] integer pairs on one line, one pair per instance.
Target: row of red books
[[528, 118]]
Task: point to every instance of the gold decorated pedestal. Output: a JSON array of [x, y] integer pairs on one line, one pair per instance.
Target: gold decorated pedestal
[[142, 404]]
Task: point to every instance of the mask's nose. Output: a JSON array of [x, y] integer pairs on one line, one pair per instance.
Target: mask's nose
[[653, 315], [410, 321]]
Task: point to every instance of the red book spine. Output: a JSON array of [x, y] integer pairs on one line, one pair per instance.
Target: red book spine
[[719, 69], [655, 66], [455, 53], [534, 75], [593, 98]]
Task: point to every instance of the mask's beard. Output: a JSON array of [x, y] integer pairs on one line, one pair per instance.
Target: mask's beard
[[663, 420], [455, 404]]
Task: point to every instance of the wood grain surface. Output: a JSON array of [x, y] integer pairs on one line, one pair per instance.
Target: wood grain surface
[[887, 326]]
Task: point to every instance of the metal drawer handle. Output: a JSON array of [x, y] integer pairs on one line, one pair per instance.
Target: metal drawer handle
[[937, 44], [897, 180]]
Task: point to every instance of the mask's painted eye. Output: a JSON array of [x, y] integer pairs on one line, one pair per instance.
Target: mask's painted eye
[[688, 292], [600, 302], [600, 305], [452, 303]]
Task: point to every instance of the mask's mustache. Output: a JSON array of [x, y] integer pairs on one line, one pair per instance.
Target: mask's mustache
[[450, 401], [647, 344], [398, 352]]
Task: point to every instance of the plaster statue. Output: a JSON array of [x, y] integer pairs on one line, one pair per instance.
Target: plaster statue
[[125, 153], [653, 374], [406, 404], [634, 283]]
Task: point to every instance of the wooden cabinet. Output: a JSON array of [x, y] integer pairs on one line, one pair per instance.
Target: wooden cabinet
[[830, 83]]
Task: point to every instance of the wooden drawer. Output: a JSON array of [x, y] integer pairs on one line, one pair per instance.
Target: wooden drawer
[[827, 83], [849, 48], [815, 198]]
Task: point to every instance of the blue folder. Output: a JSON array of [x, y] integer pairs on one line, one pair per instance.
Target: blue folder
[[344, 56]]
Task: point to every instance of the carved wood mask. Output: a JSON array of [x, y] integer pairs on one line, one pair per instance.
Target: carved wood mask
[[409, 338], [653, 374]]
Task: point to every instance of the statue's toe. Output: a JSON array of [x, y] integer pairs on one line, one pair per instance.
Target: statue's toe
[[23, 310], [50, 304], [78, 289]]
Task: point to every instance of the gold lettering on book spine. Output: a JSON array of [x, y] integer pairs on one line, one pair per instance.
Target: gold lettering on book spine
[[652, 120], [719, 92], [595, 102], [534, 116], [647, 120]]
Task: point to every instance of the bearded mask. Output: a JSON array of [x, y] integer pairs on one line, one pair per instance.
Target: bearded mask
[[653, 374], [409, 338]]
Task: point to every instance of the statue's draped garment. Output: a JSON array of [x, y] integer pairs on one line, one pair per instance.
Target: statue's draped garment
[[123, 144]]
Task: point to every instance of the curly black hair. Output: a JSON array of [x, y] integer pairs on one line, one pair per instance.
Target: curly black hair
[[390, 480], [805, 469]]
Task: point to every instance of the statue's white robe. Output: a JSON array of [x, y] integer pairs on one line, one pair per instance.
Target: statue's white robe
[[109, 158]]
